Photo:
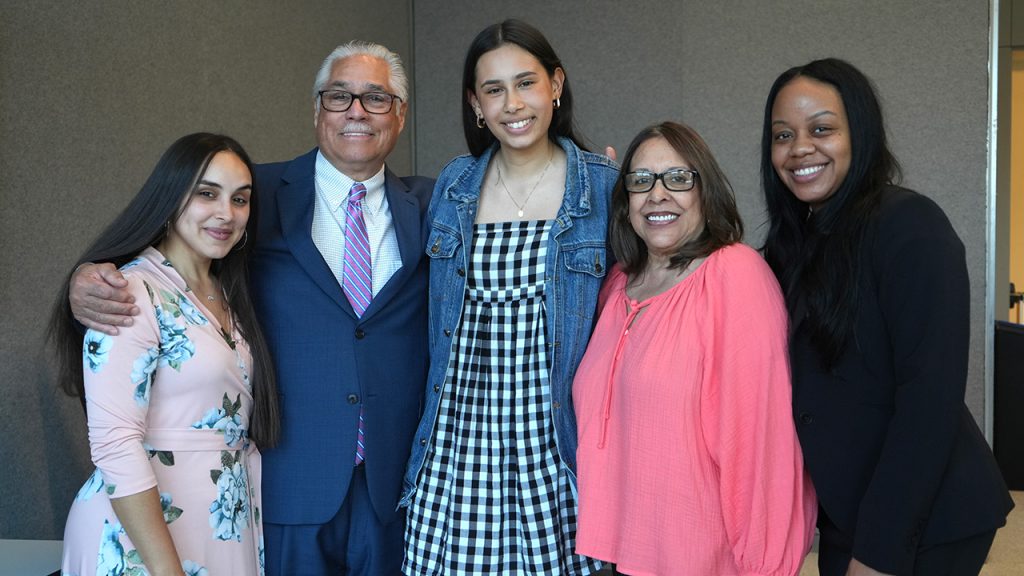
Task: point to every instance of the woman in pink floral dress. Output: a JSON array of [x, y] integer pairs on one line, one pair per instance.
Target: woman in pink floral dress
[[177, 402]]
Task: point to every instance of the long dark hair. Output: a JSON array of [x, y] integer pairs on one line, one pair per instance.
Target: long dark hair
[[817, 257], [530, 39], [143, 223], [717, 202]]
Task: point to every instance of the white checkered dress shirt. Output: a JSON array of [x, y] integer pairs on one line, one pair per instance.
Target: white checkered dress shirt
[[329, 222]]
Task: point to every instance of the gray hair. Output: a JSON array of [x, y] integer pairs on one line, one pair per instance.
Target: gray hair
[[399, 81]]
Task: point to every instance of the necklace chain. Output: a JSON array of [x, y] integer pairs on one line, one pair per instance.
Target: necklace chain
[[209, 297], [532, 190]]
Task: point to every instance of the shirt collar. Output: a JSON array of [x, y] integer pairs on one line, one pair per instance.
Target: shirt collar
[[333, 185]]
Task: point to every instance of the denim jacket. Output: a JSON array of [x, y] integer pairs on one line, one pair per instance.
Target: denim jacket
[[577, 261]]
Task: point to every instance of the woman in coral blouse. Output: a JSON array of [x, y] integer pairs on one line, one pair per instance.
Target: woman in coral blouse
[[688, 457]]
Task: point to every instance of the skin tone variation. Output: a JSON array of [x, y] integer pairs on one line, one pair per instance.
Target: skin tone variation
[[513, 96], [356, 141], [211, 221], [811, 147], [663, 219]]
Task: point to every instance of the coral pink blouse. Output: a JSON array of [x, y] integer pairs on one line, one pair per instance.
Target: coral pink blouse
[[688, 460]]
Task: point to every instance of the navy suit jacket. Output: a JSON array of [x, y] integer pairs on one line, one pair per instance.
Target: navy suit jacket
[[328, 361]]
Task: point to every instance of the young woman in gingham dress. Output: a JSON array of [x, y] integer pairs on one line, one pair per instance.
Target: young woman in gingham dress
[[517, 250]]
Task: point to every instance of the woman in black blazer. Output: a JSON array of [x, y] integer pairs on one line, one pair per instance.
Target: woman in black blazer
[[876, 285]]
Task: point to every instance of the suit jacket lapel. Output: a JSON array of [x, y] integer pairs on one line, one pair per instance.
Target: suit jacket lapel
[[295, 201], [406, 216]]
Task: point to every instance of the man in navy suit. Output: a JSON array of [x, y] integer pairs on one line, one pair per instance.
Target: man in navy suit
[[322, 512]]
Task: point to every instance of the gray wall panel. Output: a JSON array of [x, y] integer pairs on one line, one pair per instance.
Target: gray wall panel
[[711, 64], [90, 94]]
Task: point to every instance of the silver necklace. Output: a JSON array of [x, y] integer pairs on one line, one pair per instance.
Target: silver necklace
[[532, 190], [209, 297], [188, 287]]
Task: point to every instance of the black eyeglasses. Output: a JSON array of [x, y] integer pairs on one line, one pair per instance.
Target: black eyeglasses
[[676, 180], [341, 100]]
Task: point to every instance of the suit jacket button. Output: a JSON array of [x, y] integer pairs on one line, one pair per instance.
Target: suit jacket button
[[353, 399], [447, 332], [360, 334], [806, 418], [437, 388], [423, 441]]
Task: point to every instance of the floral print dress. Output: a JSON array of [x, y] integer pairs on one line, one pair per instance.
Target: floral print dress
[[168, 402]]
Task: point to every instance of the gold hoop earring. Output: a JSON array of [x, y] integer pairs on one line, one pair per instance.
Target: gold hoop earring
[[558, 103], [480, 121], [245, 238]]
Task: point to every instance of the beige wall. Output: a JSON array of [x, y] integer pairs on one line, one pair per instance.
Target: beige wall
[[1016, 220], [90, 94]]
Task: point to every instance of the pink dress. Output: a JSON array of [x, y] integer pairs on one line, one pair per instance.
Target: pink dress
[[688, 461], [168, 403]]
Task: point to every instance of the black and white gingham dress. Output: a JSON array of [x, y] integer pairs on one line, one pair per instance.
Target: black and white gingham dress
[[492, 497]]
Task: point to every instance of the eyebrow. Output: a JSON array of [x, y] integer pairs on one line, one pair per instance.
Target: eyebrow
[[217, 185], [814, 116], [519, 76]]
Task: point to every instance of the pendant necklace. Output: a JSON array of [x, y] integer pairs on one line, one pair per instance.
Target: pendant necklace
[[532, 190]]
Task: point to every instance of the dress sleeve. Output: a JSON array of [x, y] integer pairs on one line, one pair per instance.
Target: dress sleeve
[[768, 504], [924, 297], [118, 374]]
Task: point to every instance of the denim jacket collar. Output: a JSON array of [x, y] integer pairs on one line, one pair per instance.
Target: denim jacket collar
[[465, 188]]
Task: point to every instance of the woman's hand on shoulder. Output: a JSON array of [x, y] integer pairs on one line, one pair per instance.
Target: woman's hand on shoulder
[[100, 298]]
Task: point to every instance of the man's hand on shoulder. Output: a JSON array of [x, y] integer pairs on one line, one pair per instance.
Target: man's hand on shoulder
[[100, 299]]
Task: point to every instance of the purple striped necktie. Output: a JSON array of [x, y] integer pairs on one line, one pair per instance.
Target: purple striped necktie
[[357, 278]]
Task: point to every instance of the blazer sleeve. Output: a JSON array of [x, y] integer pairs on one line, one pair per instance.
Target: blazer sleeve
[[923, 291]]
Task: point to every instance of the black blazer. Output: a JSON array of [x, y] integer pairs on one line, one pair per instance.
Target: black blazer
[[896, 458]]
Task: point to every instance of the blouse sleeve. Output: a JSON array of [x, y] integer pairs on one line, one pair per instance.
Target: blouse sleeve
[[118, 374], [768, 504]]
